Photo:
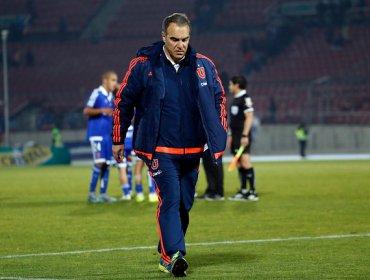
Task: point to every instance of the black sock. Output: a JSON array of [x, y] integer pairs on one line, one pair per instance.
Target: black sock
[[250, 178], [243, 179]]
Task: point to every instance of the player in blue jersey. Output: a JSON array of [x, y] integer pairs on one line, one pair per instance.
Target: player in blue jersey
[[99, 109], [125, 167], [125, 173], [152, 195]]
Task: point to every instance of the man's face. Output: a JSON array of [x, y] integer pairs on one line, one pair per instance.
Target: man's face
[[233, 88], [110, 83], [176, 41]]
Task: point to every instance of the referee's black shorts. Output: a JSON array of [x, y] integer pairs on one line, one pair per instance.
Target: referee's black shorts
[[235, 143]]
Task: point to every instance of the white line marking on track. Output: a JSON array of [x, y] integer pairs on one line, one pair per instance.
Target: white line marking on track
[[230, 242]]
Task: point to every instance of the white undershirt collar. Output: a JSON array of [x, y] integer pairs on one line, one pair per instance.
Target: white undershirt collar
[[240, 93], [176, 65]]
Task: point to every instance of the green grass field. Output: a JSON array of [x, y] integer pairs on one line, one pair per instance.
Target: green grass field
[[44, 210]]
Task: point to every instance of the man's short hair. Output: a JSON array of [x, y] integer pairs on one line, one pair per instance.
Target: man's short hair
[[107, 74], [240, 80], [177, 18]]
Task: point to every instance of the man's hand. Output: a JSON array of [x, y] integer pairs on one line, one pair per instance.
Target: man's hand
[[107, 111], [97, 111], [118, 152], [244, 141]]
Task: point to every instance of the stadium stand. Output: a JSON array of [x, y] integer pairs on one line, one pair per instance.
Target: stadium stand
[[310, 57], [10, 7], [240, 13], [138, 18], [63, 72], [46, 15]]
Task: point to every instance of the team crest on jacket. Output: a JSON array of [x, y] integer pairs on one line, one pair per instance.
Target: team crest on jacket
[[154, 164], [201, 73]]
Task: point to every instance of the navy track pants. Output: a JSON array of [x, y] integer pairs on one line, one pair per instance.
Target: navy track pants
[[175, 181]]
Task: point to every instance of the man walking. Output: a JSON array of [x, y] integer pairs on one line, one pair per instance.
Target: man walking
[[179, 106]]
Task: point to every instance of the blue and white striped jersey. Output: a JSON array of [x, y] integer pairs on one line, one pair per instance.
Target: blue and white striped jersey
[[100, 125]]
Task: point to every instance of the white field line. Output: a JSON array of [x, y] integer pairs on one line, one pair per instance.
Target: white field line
[[230, 242]]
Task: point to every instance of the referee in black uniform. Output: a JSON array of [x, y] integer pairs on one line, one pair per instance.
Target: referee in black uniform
[[241, 118]]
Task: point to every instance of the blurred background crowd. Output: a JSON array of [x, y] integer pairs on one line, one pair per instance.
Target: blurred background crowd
[[306, 61]]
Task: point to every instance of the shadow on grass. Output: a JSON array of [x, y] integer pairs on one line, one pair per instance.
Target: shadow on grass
[[201, 260], [121, 208], [207, 265], [38, 204]]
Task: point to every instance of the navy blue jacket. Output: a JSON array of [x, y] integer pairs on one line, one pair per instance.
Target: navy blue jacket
[[142, 92]]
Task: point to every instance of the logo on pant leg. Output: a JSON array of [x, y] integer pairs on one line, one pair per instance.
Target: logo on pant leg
[[154, 164]]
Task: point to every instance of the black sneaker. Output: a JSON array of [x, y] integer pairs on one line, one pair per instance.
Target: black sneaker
[[239, 196], [214, 197], [178, 265], [202, 196], [253, 196]]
